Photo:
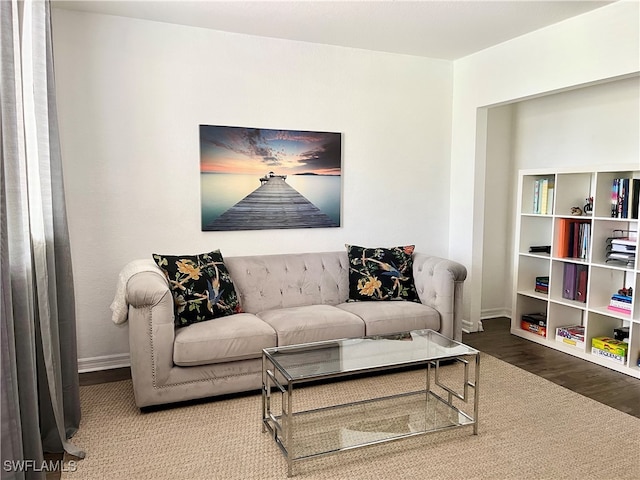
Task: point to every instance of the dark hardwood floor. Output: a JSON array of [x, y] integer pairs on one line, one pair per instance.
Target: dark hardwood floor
[[606, 386]]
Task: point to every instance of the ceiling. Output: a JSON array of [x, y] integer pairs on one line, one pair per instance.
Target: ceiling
[[437, 29]]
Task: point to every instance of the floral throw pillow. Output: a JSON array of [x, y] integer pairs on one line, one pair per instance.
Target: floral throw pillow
[[381, 273], [201, 286]]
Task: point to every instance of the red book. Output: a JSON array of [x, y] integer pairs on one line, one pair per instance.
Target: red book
[[581, 287]]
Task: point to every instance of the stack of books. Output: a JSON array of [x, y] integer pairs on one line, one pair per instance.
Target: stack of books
[[542, 285], [543, 196], [625, 194], [620, 303], [621, 250]]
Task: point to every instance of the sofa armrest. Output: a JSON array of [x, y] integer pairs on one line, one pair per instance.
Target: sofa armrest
[[439, 283], [151, 330]]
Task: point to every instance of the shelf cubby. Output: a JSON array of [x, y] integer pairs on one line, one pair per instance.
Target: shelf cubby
[[530, 268], [528, 305], [572, 190], [537, 229], [604, 229], [562, 316], [602, 207], [528, 189], [557, 284]]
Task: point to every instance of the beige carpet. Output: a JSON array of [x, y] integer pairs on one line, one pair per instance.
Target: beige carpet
[[530, 428]]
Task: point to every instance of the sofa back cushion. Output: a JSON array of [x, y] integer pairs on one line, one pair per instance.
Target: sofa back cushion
[[265, 282]]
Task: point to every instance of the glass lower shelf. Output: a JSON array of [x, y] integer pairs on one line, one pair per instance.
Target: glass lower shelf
[[332, 429]]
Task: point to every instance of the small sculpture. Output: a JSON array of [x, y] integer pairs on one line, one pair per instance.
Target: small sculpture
[[588, 208], [626, 291], [577, 211]]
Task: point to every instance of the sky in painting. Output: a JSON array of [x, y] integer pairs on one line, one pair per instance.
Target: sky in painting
[[259, 151]]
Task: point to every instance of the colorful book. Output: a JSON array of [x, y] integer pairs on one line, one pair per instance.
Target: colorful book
[[627, 241], [619, 310], [544, 192], [622, 298], [621, 305], [614, 198]]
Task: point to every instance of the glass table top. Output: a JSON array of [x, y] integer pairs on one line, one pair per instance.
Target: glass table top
[[335, 357]]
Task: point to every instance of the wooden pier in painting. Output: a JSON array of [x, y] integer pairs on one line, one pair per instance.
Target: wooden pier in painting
[[275, 204]]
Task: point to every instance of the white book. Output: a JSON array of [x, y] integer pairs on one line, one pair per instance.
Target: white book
[[624, 241]]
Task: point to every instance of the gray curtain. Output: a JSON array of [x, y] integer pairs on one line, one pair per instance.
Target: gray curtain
[[40, 393]]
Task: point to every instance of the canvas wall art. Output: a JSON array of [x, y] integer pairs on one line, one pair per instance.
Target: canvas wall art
[[257, 178]]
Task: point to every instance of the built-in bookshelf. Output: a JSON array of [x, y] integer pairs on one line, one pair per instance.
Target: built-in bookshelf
[[575, 262]]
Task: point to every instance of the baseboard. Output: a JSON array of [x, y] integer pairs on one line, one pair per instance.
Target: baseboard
[[105, 362], [467, 327], [494, 313]]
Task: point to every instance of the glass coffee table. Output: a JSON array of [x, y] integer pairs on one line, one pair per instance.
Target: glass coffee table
[[343, 425]]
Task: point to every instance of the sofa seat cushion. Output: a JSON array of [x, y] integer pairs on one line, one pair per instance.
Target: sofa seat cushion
[[234, 337], [312, 323], [390, 317]]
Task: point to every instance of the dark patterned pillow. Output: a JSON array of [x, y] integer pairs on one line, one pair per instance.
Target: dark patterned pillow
[[381, 273], [201, 286]]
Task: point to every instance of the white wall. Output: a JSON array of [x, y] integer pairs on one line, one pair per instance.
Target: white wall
[[497, 238], [131, 95], [587, 126], [600, 45]]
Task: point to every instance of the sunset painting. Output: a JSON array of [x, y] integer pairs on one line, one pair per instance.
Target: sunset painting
[[256, 179]]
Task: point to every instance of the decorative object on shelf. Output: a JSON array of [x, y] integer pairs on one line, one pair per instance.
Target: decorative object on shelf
[[588, 207], [626, 291], [576, 211]]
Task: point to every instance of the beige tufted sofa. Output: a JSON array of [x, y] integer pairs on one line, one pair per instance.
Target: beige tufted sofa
[[287, 299]]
